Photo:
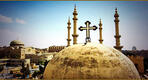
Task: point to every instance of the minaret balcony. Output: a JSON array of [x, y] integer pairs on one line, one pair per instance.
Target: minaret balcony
[[75, 35], [68, 27], [117, 36], [68, 39], [101, 40], [75, 13], [116, 20], [75, 19], [100, 28]]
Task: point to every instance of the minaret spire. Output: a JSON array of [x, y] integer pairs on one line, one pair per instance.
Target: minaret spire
[[100, 31], [75, 7], [68, 19], [75, 35], [68, 27], [117, 36]]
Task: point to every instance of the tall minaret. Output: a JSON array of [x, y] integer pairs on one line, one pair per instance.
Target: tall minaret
[[100, 31], [68, 27], [75, 35], [117, 36]]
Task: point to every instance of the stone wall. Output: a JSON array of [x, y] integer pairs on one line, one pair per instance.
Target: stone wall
[[55, 48], [138, 61]]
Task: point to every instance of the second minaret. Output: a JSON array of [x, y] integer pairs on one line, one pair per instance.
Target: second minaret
[[117, 36], [100, 31], [68, 27], [75, 35]]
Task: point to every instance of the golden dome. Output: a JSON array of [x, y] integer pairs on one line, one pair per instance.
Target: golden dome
[[90, 61]]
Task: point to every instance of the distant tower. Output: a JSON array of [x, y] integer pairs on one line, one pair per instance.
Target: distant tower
[[75, 35], [100, 31], [117, 36], [68, 27]]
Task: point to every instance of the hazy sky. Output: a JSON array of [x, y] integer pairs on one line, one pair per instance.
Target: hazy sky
[[44, 23]]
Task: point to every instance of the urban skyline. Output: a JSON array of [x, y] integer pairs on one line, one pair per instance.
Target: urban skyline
[[43, 24]]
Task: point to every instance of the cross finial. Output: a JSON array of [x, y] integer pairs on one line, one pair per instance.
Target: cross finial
[[87, 28]]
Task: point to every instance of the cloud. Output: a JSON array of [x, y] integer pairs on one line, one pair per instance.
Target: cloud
[[5, 19], [20, 21]]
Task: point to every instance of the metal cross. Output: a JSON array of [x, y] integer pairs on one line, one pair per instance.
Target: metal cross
[[87, 28]]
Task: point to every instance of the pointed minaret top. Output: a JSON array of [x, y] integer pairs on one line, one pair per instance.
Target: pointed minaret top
[[100, 24], [69, 19], [116, 13], [75, 7], [100, 20], [75, 11], [116, 10]]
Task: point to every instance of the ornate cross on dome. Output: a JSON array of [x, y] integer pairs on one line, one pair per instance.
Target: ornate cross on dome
[[87, 28]]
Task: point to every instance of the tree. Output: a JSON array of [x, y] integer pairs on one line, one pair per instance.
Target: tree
[[35, 74], [45, 64], [41, 69], [41, 62], [25, 70], [1, 68]]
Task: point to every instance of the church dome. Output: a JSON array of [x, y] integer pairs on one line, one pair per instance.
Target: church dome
[[16, 43], [90, 61]]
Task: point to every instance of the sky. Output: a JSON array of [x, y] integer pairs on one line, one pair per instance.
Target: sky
[[44, 23]]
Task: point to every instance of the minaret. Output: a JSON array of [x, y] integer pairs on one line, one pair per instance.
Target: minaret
[[75, 35], [117, 36], [68, 27], [100, 31]]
